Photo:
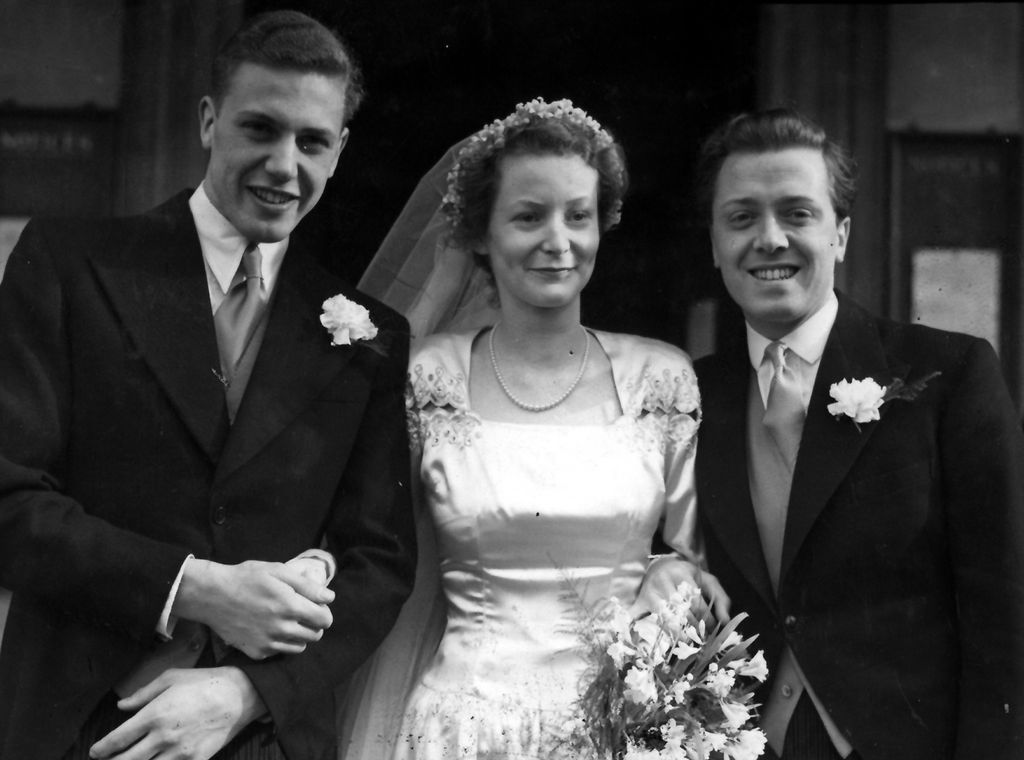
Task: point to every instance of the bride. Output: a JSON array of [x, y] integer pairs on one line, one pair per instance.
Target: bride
[[547, 454]]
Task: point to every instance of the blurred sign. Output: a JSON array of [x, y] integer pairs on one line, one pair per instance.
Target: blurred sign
[[956, 223], [56, 162], [959, 290]]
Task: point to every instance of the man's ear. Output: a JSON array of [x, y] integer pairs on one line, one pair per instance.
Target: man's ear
[[842, 236], [342, 142], [207, 117]]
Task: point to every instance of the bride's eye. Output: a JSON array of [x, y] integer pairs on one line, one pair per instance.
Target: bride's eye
[[526, 217]]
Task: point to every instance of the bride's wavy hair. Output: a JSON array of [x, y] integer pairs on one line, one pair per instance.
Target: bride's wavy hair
[[474, 181]]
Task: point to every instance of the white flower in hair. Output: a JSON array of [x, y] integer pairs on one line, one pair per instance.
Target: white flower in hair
[[491, 138]]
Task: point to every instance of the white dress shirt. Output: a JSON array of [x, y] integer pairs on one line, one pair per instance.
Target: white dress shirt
[[223, 247], [806, 342]]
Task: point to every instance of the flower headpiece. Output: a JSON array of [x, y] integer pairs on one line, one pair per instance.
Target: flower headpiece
[[492, 138]]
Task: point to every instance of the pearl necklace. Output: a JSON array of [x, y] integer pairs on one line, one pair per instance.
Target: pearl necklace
[[539, 407]]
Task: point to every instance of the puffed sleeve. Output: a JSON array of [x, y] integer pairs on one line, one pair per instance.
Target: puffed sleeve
[[661, 393], [682, 419]]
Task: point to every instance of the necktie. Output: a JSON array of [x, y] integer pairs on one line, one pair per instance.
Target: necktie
[[238, 316], [784, 411]]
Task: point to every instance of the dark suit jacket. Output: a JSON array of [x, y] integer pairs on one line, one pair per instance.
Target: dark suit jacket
[[116, 461], [902, 584]]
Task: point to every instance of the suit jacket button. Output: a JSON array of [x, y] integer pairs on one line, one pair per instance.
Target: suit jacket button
[[790, 623], [220, 516], [787, 690]]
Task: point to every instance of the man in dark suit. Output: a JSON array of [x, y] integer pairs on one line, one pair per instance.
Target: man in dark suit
[[178, 430], [874, 533]]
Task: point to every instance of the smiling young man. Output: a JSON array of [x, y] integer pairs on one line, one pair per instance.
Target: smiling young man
[[274, 136], [180, 438], [879, 556]]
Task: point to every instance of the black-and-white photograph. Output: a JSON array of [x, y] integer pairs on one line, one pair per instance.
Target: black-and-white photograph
[[511, 380]]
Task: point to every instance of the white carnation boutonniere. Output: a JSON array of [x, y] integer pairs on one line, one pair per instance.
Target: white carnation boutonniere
[[861, 400], [348, 322]]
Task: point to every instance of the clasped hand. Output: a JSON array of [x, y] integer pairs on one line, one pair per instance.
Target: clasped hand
[[260, 608]]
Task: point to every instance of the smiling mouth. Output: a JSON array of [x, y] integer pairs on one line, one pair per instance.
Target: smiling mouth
[[273, 197], [773, 274]]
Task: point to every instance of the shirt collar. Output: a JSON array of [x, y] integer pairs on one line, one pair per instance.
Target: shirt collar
[[807, 341], [223, 245]]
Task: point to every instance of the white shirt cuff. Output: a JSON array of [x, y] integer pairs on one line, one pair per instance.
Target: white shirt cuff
[[167, 622]]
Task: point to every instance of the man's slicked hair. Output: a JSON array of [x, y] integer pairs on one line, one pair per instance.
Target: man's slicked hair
[[769, 131], [293, 41]]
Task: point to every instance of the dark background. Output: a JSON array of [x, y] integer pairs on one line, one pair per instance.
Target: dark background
[[658, 75]]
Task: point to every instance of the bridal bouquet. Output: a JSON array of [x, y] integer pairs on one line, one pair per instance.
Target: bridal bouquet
[[670, 686]]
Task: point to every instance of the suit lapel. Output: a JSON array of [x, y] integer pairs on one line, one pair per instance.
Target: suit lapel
[[295, 363], [723, 487], [829, 446], [156, 281]]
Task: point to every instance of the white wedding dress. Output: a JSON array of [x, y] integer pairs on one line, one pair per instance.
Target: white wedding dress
[[533, 523]]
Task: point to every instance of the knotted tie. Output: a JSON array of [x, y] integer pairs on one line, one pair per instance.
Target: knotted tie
[[775, 444], [237, 318], [784, 411]]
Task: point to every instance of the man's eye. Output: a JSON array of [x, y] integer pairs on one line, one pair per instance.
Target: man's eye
[[583, 215], [527, 217], [740, 218], [312, 145], [257, 129]]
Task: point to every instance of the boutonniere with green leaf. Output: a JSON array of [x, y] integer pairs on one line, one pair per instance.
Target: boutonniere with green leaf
[[348, 322], [861, 400]]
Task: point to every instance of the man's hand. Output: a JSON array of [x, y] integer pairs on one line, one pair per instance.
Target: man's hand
[[183, 714], [260, 608], [317, 565], [665, 573]]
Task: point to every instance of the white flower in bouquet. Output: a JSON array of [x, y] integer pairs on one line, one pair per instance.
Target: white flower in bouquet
[[619, 651], [748, 745], [736, 714], [733, 639], [755, 667], [640, 686], [638, 752], [684, 649], [617, 621], [675, 737], [716, 741], [677, 691], [668, 686], [720, 680]]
